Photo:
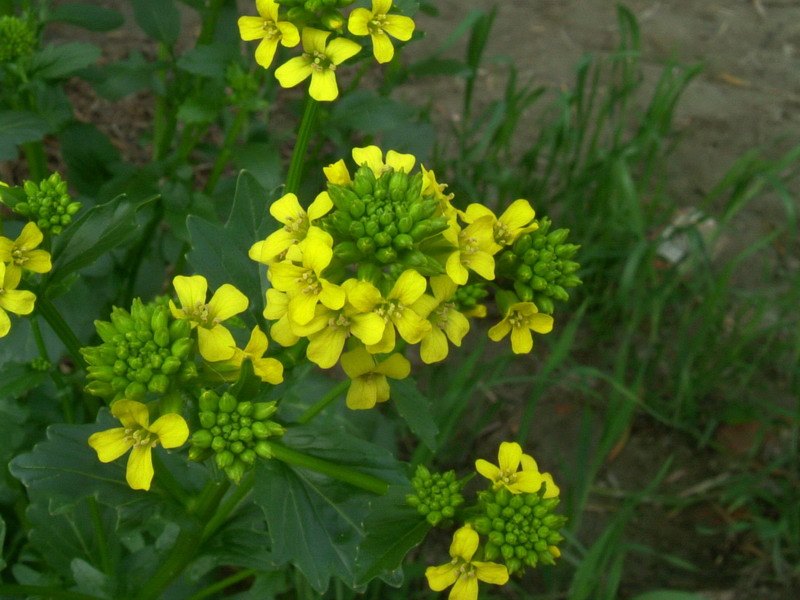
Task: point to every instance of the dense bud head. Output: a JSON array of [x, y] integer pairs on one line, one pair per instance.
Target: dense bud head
[[17, 38], [48, 203], [436, 495]]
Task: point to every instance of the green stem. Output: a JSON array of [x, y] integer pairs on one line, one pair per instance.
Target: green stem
[[57, 323], [163, 123], [231, 503], [225, 583], [167, 482], [187, 545], [357, 478], [210, 22], [99, 536], [41, 590], [37, 161], [138, 252], [299, 154], [225, 153], [52, 370], [323, 402]]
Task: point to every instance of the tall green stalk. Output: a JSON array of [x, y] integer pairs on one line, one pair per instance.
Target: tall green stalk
[[299, 155]]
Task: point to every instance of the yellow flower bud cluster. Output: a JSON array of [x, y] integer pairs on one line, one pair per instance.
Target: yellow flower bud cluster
[[313, 22]]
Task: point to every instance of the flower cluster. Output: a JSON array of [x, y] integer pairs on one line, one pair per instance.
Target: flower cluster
[[233, 431], [313, 22], [515, 515], [16, 256], [17, 38], [144, 350], [48, 204], [382, 259]]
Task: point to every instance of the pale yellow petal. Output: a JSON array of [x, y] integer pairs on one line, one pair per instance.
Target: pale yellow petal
[[358, 22], [290, 37], [363, 394], [139, 473], [528, 482], [400, 162], [509, 456], [38, 261], [518, 215], [491, 572], [216, 343], [323, 86], [487, 469], [408, 288], [367, 327], [191, 290], [314, 40], [30, 237], [131, 413], [399, 26], [372, 156], [293, 71], [465, 543], [337, 173], [19, 302], [465, 588], [320, 207], [269, 370], [442, 576], [110, 444], [326, 346], [257, 344], [340, 49], [382, 47], [287, 209], [433, 347], [171, 429], [357, 362], [396, 367], [499, 331], [521, 340], [251, 28], [226, 302]]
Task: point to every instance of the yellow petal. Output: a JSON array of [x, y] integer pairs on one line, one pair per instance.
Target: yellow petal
[[528, 482], [357, 362], [387, 342], [521, 340], [290, 37], [323, 86], [281, 332], [499, 331], [363, 394], [367, 327], [372, 156], [396, 367], [337, 173], [139, 473], [529, 463], [287, 209], [191, 290], [363, 296], [340, 49], [268, 9], [251, 28], [399, 27], [321, 206], [268, 250], [434, 347], [408, 288], [226, 302], [465, 543], [30, 237], [314, 40], [411, 327], [491, 572], [131, 413], [110, 444], [400, 162], [518, 215], [171, 429], [487, 469], [293, 71], [382, 47], [457, 326], [277, 304], [269, 370], [326, 346], [382, 389], [476, 211], [19, 302], [509, 456], [5, 323], [257, 344], [265, 52], [317, 255], [38, 261], [465, 588], [216, 343], [302, 307], [332, 295], [455, 270], [443, 287], [381, 7], [483, 264], [441, 577], [541, 323], [552, 489], [358, 22]]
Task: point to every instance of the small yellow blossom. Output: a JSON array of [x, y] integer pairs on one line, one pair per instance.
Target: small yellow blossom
[[277, 309], [215, 342], [369, 384], [515, 220], [337, 173], [269, 30], [445, 319], [475, 250], [305, 284], [431, 187], [22, 254], [520, 320], [379, 25], [551, 491], [269, 370], [509, 457], [462, 572], [296, 225], [372, 156], [169, 430], [319, 60], [19, 302]]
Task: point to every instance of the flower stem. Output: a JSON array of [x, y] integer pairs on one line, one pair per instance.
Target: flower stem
[[231, 503], [364, 481], [225, 583], [57, 323], [37, 161], [301, 145], [323, 402], [53, 371], [99, 536]]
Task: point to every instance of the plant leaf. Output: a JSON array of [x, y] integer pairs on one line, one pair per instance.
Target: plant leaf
[[159, 19], [19, 127], [88, 16], [58, 62], [415, 409]]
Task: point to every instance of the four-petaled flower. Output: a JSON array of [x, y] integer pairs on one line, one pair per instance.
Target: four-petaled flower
[[319, 60], [19, 302], [372, 156], [475, 247], [520, 320], [515, 220], [215, 342], [369, 384], [447, 322], [169, 430], [379, 25], [463, 571], [269, 370], [509, 458], [22, 253], [269, 30]]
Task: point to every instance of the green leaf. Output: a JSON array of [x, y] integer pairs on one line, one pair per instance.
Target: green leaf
[[2, 542], [210, 60], [18, 127], [58, 62], [370, 113], [124, 77], [668, 595], [90, 157], [315, 522], [393, 529], [13, 195], [198, 109], [18, 378], [415, 409], [88, 16], [159, 19], [97, 231]]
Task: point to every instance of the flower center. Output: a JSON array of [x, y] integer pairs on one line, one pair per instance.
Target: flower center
[[319, 61], [309, 283], [201, 313], [296, 224], [502, 234], [271, 31], [140, 437], [507, 476], [391, 309], [377, 25]]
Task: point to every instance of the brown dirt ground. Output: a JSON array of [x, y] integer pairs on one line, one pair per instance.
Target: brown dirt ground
[[747, 96]]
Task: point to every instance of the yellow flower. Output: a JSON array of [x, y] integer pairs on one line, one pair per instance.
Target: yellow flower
[[395, 310], [277, 309], [372, 156], [551, 491], [431, 187], [305, 284], [369, 384], [328, 331], [319, 60], [19, 302], [269, 30], [445, 319], [520, 320], [475, 249], [509, 457], [377, 24], [462, 570], [516, 220], [21, 253], [214, 340], [269, 370], [337, 173], [296, 225], [169, 430]]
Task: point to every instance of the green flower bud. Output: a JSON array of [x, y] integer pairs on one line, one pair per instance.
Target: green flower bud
[[100, 388], [386, 255], [264, 410], [158, 384], [366, 246], [236, 470], [201, 438], [224, 459], [208, 419], [248, 457], [544, 304], [179, 328], [364, 181], [263, 449], [218, 444], [181, 348], [136, 391]]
